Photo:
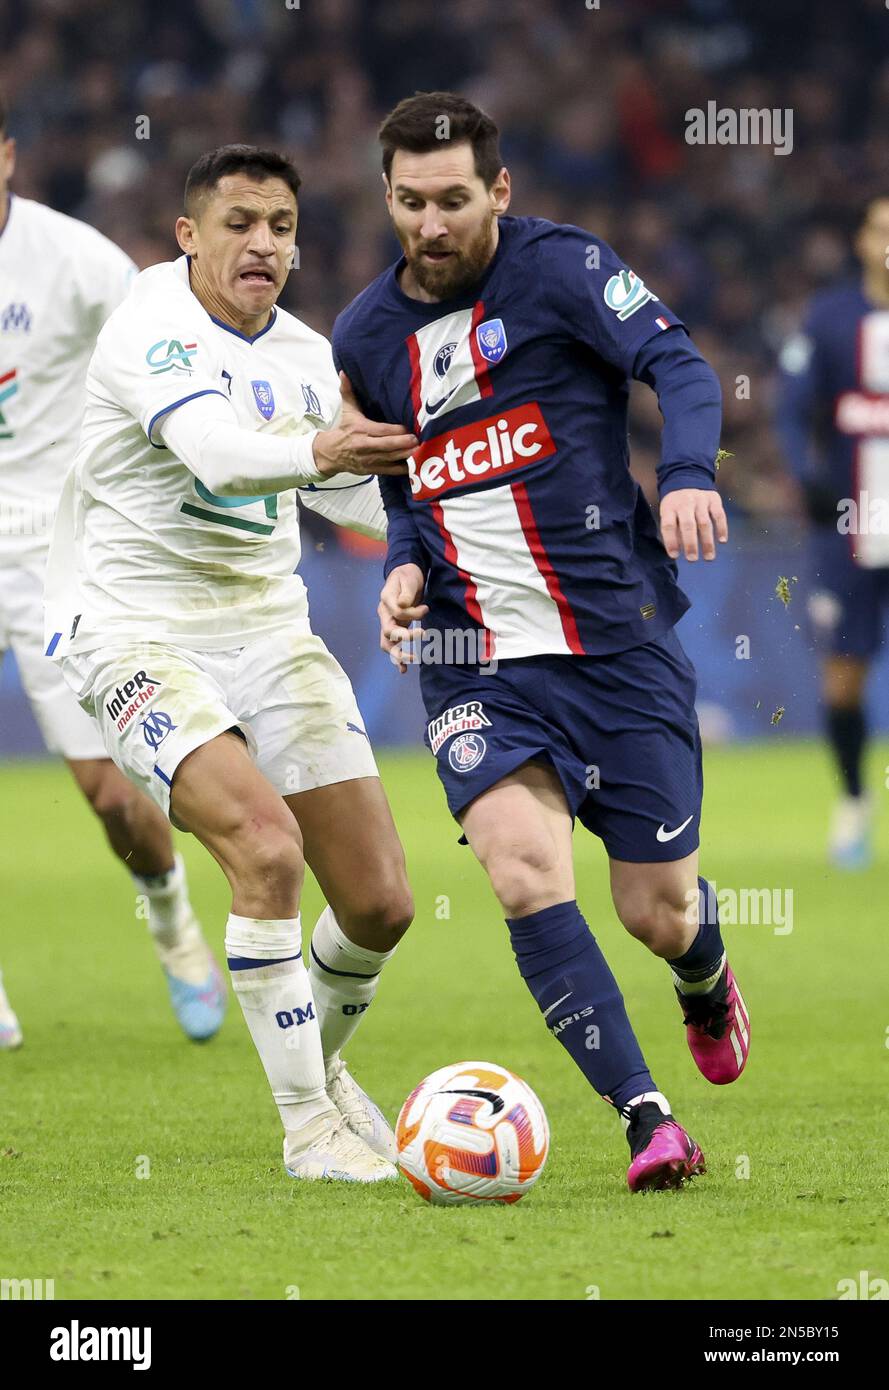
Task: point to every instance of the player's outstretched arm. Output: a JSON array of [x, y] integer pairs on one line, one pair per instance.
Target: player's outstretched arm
[[232, 462], [357, 505], [358, 445]]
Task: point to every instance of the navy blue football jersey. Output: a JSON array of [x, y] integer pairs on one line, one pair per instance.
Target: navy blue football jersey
[[833, 410], [519, 504]]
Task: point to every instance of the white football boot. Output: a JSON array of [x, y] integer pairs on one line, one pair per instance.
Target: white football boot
[[10, 1028], [326, 1148], [850, 832], [363, 1117]]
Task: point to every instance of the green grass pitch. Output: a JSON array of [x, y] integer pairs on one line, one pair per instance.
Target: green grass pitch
[[105, 1079]]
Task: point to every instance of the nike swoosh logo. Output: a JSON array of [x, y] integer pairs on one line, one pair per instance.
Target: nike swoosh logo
[[664, 834], [547, 1012], [433, 409], [492, 1096]]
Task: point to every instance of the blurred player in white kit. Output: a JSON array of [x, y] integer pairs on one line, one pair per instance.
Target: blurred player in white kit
[[59, 281]]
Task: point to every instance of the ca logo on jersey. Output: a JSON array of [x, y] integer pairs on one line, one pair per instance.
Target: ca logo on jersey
[[8, 388], [15, 318], [169, 355], [625, 293]]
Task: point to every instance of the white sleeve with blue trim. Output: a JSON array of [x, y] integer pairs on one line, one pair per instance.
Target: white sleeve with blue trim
[[150, 360], [355, 503], [205, 435]]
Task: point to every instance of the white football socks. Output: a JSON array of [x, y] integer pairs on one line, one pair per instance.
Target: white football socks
[[344, 981], [277, 1003], [699, 986], [173, 926], [655, 1096]]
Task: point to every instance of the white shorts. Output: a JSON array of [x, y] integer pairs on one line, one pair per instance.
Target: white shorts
[[66, 729], [285, 693]]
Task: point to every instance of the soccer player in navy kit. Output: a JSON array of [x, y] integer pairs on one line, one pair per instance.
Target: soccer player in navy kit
[[506, 345], [833, 420]]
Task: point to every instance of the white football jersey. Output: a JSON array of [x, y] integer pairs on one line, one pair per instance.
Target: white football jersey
[[59, 281], [142, 548]]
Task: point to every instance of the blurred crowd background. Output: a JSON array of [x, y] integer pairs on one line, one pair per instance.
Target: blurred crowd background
[[591, 102]]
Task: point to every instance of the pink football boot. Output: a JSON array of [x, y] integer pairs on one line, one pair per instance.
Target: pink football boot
[[663, 1154], [717, 1027]]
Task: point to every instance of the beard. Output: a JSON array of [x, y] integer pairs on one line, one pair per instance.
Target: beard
[[460, 270]]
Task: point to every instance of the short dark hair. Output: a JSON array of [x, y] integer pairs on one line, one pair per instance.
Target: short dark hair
[[416, 124], [205, 173]]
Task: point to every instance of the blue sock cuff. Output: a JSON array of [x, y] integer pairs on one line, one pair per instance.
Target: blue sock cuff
[[251, 963]]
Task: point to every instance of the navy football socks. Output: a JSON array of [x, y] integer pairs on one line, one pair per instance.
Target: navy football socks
[[578, 996], [846, 733], [703, 959]]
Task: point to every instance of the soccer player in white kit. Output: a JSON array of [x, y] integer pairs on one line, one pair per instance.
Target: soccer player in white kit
[[59, 281], [173, 604]]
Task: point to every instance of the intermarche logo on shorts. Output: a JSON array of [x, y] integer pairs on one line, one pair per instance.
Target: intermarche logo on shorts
[[130, 697], [478, 452], [458, 719]]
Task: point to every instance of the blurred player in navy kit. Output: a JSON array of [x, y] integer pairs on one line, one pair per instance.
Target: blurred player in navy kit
[[833, 420], [506, 345]]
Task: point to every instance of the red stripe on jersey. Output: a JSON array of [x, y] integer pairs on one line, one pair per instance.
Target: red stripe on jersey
[[413, 352], [542, 561], [482, 375], [470, 591], [8, 376]]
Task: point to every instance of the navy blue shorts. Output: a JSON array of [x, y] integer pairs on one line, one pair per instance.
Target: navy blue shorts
[[846, 603], [621, 732]]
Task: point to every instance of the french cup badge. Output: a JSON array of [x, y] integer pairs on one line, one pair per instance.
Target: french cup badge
[[491, 339], [264, 397]]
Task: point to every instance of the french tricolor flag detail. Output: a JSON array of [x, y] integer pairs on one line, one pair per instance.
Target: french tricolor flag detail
[[662, 322]]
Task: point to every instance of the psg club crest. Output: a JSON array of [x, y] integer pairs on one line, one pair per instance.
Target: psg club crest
[[265, 400], [466, 752], [491, 339], [441, 362]]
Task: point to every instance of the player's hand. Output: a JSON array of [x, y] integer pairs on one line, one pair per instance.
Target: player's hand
[[689, 516], [359, 445], [400, 606]]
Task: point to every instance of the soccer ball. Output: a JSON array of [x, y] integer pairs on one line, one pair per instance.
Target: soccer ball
[[472, 1132]]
